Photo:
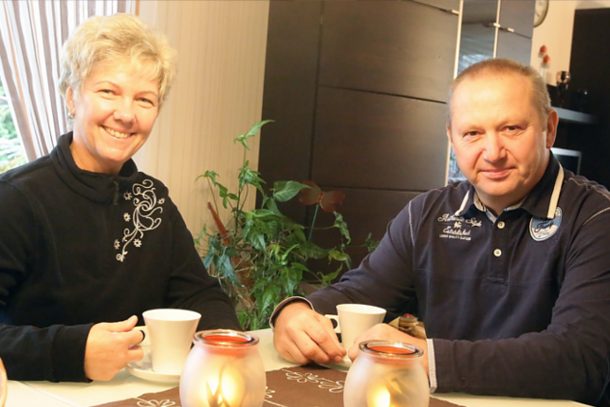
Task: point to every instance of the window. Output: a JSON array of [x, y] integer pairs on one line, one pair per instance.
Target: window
[[11, 150]]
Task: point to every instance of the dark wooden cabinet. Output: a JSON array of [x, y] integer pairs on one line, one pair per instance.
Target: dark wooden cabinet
[[358, 93], [399, 48], [370, 140], [589, 67], [290, 93]]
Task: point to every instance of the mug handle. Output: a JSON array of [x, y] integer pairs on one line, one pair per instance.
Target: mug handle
[[336, 319]]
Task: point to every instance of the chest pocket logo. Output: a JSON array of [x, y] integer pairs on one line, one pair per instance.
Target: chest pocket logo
[[542, 229]]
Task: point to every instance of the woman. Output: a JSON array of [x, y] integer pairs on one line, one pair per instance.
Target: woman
[[87, 242]]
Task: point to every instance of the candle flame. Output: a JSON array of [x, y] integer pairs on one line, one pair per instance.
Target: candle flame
[[226, 391], [380, 397]]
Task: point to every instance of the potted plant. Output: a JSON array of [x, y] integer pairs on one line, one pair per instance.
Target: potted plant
[[260, 256]]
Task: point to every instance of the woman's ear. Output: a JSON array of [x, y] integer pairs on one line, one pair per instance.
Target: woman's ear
[[70, 100]]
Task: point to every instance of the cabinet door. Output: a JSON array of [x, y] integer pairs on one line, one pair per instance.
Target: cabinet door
[[393, 47], [514, 46], [289, 94], [365, 211], [518, 15], [368, 140]]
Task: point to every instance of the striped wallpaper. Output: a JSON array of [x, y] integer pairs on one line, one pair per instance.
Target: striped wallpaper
[[217, 95]]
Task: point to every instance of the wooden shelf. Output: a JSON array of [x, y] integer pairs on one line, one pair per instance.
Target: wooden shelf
[[572, 116]]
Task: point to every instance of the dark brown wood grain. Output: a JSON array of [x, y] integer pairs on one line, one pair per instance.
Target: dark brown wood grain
[[394, 47], [369, 140]]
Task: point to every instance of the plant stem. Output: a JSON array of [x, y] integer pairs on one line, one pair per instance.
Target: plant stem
[[213, 195], [313, 222]]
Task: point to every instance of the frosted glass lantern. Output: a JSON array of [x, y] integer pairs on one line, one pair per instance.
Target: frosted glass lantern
[[223, 369], [387, 374]]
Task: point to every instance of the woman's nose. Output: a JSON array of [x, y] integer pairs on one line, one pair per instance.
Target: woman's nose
[[125, 113]]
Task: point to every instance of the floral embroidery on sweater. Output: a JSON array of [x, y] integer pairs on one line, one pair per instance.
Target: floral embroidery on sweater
[[146, 207]]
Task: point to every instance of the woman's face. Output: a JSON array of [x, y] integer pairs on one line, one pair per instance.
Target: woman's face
[[114, 112]]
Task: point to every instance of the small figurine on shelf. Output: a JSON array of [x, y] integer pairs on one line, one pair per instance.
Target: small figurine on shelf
[[563, 78], [545, 61]]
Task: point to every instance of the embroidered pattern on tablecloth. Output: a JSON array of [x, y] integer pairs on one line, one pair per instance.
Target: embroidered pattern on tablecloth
[[156, 403], [146, 206]]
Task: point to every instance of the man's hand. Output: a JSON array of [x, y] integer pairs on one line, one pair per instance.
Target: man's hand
[[302, 335], [110, 346], [389, 333]]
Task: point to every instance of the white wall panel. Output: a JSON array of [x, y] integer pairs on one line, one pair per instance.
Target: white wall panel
[[217, 95]]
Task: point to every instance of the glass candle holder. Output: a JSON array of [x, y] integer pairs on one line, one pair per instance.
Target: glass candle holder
[[387, 374], [223, 369]]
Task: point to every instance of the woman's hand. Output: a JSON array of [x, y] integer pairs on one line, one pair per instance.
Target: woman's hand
[[389, 333], [110, 346]]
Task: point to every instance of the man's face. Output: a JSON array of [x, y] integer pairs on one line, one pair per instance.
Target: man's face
[[500, 143]]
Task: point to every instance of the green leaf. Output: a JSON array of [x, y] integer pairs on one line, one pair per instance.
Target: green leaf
[[312, 251], [256, 127], [286, 190], [259, 213], [326, 279], [209, 174], [272, 206], [371, 244], [270, 296], [257, 240], [340, 223], [251, 133], [338, 255], [209, 258]]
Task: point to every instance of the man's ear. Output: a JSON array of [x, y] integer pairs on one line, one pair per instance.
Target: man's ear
[[449, 133], [551, 128]]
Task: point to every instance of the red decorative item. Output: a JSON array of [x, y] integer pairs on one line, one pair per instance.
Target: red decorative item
[[326, 200]]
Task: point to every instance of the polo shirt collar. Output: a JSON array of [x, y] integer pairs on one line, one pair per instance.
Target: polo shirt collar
[[541, 202]]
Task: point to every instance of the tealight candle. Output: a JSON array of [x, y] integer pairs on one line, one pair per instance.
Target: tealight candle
[[387, 374], [224, 369]]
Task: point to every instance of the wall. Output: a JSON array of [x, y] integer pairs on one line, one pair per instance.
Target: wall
[[556, 33], [217, 95]]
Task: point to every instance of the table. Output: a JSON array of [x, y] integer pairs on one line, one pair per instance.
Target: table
[[124, 386]]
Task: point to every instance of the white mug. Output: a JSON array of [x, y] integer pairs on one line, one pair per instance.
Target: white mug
[[171, 335], [354, 319]]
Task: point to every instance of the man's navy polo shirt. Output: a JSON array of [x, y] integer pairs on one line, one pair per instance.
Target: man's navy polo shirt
[[518, 305]]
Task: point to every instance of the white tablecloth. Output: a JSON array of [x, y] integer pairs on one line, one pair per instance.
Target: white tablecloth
[[124, 386]]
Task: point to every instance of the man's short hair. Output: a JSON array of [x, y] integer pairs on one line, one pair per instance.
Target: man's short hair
[[540, 94]]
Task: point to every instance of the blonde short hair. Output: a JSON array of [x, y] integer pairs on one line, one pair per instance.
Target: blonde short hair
[[116, 38], [540, 94]]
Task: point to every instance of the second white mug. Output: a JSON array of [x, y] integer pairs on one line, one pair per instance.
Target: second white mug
[[354, 319]]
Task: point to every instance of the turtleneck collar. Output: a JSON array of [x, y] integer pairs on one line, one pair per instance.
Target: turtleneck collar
[[98, 187]]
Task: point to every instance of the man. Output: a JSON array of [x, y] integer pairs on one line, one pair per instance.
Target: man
[[509, 271]]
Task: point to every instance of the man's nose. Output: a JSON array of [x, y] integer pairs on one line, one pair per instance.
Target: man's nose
[[494, 149]]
